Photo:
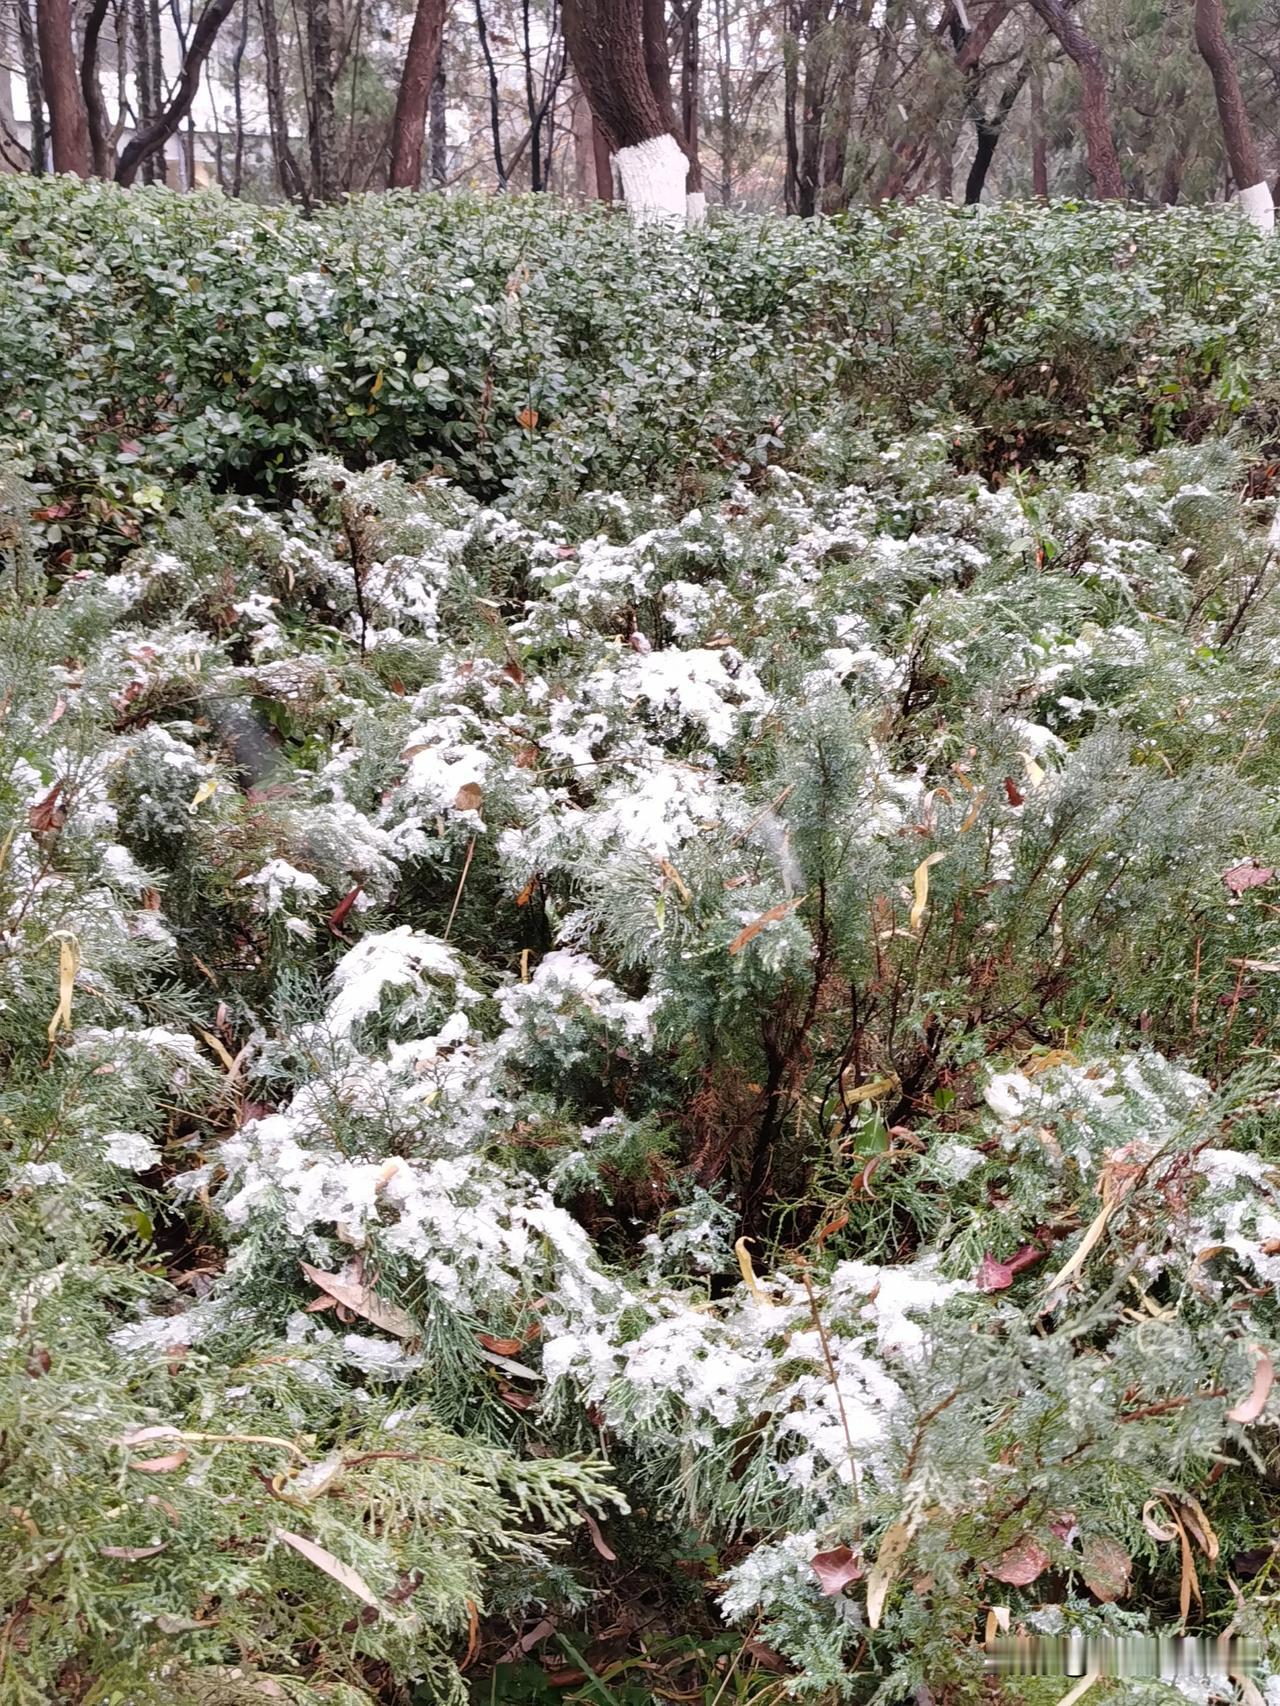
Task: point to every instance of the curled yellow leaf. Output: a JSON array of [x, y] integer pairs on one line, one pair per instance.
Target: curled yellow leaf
[[68, 966], [920, 884], [749, 1274]]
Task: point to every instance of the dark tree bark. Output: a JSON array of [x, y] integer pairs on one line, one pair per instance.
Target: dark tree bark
[[437, 126], [68, 121], [35, 86], [495, 118], [1100, 146], [237, 84], [154, 167], [536, 179], [150, 141], [1039, 146], [1237, 132], [988, 129], [724, 80], [603, 161], [287, 169], [690, 82], [324, 123], [608, 50], [413, 98], [790, 111], [100, 143]]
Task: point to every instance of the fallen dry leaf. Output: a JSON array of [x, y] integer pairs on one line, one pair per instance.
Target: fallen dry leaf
[[893, 1549], [749, 932], [47, 814], [836, 1569], [343, 908], [920, 887], [1249, 875], [160, 1465], [1022, 1564], [132, 1554], [469, 798], [362, 1300], [598, 1540], [333, 1567], [1264, 1374], [1106, 1568]]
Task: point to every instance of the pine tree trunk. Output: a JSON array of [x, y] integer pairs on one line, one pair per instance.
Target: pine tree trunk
[[1237, 133], [1039, 147], [690, 118], [437, 126], [1104, 162], [324, 124], [287, 168], [724, 81], [495, 116], [606, 41], [414, 96], [35, 87], [237, 84], [603, 159], [95, 107], [68, 122]]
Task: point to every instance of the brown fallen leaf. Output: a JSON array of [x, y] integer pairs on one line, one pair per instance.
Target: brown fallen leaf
[[836, 1569], [343, 908], [469, 798], [333, 1567], [749, 932], [598, 1540], [132, 1554], [1024, 1562], [362, 1300], [1264, 1374], [1011, 792], [528, 419], [160, 1465], [893, 1549], [1249, 875], [1106, 1568], [503, 1347], [47, 814]]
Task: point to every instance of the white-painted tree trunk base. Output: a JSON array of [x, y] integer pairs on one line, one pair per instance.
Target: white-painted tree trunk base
[[653, 179], [1258, 207], [696, 208]]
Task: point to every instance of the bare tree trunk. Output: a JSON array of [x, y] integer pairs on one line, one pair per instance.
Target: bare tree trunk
[[151, 140], [690, 78], [988, 129], [237, 65], [95, 107], [724, 81], [437, 125], [414, 95], [1039, 147], [790, 108], [68, 122], [287, 169], [324, 123], [155, 169], [536, 181], [495, 117], [607, 44], [604, 160], [1100, 146], [35, 87], [1237, 132]]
